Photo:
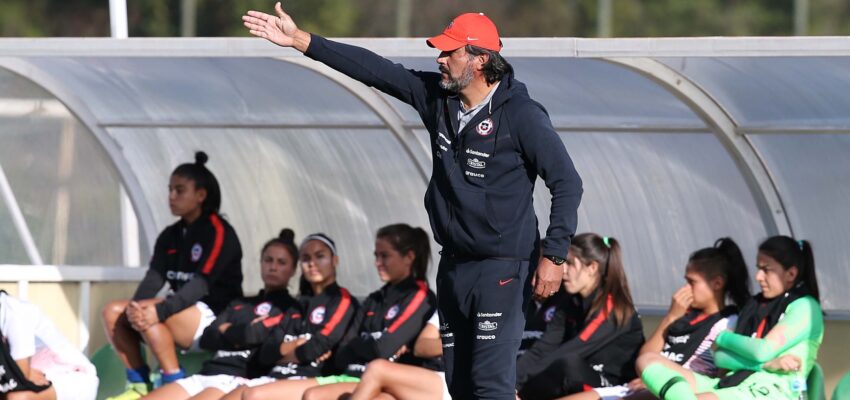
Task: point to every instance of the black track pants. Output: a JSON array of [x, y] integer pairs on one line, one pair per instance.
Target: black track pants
[[481, 322]]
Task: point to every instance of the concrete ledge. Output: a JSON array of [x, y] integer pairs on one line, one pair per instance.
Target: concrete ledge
[[64, 273], [415, 47]]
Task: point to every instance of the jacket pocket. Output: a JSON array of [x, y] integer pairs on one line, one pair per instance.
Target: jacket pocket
[[472, 229], [510, 211]]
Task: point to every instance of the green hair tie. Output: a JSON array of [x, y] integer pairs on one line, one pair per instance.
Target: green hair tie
[[607, 241], [800, 243]]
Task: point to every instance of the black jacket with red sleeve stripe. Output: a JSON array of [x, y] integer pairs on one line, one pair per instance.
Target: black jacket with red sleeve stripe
[[201, 261], [608, 348], [390, 318], [327, 317], [236, 348]]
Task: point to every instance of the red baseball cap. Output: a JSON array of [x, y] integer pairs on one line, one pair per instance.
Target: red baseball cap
[[470, 28]]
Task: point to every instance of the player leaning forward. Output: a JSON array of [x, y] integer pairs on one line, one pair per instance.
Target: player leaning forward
[[490, 141]]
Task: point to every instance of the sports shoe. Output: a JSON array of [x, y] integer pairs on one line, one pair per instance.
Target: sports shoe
[[134, 391]]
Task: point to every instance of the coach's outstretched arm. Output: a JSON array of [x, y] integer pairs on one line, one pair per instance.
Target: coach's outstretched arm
[[416, 88], [280, 30]]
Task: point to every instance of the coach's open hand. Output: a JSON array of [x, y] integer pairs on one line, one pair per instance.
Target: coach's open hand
[[280, 30], [547, 278]]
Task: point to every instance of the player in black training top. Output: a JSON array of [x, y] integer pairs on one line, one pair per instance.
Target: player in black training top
[[296, 357], [386, 325], [594, 338], [200, 257], [238, 332]]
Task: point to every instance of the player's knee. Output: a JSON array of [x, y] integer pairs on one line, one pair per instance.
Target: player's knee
[[644, 360], [378, 367], [250, 394], [20, 395], [312, 394], [112, 310]]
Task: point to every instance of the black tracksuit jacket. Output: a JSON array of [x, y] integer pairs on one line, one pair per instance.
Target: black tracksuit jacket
[[327, 317], [235, 349], [479, 199], [594, 338], [389, 318]]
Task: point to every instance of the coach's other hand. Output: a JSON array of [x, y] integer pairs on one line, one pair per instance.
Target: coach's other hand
[[547, 278]]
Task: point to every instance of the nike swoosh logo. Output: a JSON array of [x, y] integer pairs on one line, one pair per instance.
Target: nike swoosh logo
[[503, 283], [471, 38]]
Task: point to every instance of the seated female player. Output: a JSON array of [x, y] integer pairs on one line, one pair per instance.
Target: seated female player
[[387, 380], [596, 333], [775, 342], [296, 358], [239, 331], [698, 313], [200, 258], [391, 318]]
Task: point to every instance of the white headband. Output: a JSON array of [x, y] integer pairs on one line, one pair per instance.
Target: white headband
[[322, 238]]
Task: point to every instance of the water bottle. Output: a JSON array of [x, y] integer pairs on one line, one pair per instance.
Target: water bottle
[[799, 388]]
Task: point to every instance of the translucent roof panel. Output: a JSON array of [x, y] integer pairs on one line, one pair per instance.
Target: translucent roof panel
[[586, 93], [663, 195], [64, 183], [812, 172], [11, 249], [424, 139], [775, 91], [346, 183], [14, 88], [205, 91]]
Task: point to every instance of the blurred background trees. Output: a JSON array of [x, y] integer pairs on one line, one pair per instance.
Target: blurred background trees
[[383, 18]]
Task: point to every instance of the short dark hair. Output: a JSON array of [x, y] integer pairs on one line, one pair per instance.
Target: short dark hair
[[496, 66]]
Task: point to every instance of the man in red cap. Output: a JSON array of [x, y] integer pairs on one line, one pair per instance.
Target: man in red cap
[[490, 141]]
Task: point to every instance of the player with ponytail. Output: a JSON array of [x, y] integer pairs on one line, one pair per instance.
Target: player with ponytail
[[200, 257], [775, 341], [597, 325]]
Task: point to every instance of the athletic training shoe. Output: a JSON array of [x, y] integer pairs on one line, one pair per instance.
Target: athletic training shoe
[[134, 391]]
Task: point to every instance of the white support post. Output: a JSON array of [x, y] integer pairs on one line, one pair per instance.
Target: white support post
[[118, 18], [129, 231], [63, 198], [188, 17], [604, 19], [404, 12], [83, 315], [801, 17]]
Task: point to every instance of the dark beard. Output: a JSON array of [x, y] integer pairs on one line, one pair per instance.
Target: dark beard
[[456, 85]]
